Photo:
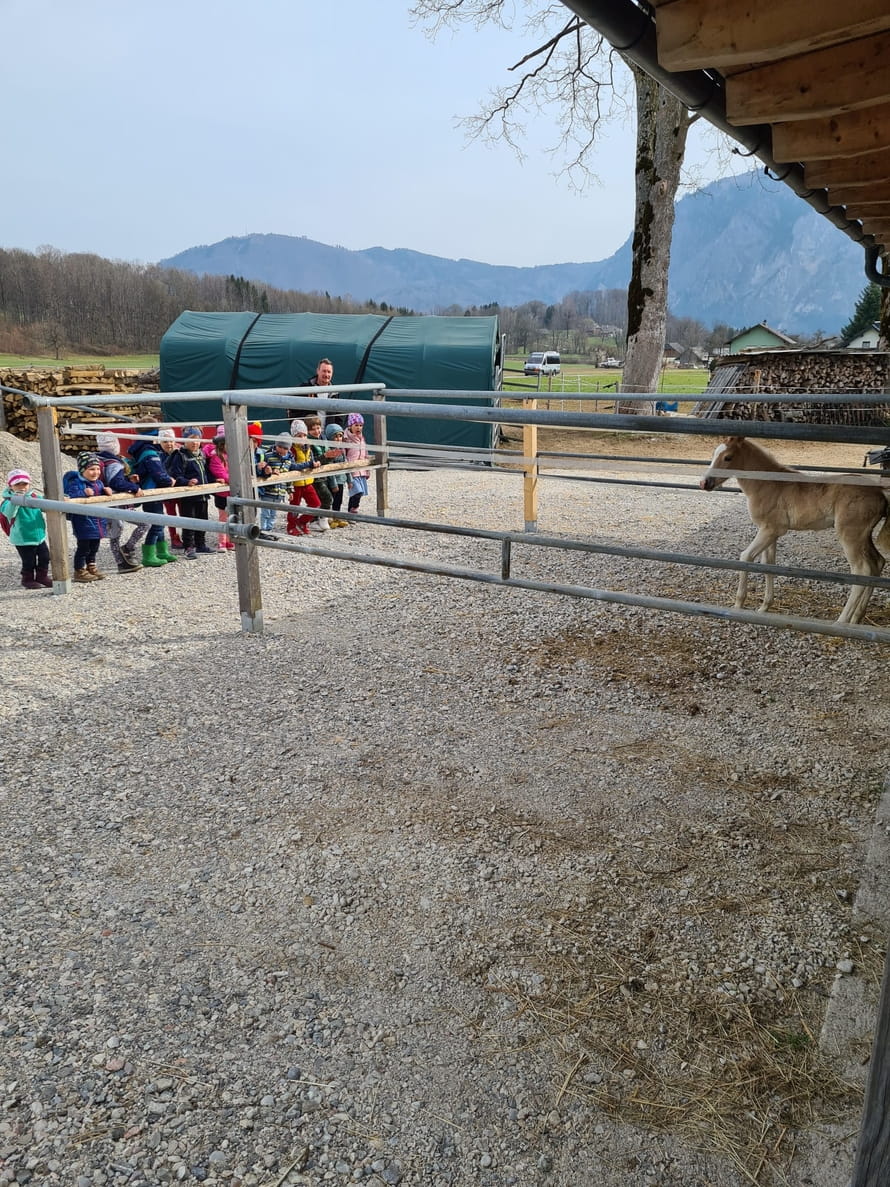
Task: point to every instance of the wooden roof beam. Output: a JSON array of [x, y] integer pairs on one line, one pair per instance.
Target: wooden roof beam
[[878, 195], [879, 227], [825, 82], [703, 34], [877, 211], [846, 135], [849, 171]]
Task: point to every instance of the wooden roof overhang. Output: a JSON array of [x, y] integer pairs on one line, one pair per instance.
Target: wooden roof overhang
[[803, 84]]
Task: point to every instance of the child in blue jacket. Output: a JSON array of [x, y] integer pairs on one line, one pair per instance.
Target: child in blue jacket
[[149, 470], [115, 474], [27, 531], [84, 483]]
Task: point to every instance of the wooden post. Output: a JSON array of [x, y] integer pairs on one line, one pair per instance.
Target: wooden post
[[872, 1167], [239, 453], [56, 523], [530, 481], [381, 476]]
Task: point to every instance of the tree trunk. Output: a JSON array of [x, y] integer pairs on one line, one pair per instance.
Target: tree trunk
[[662, 124]]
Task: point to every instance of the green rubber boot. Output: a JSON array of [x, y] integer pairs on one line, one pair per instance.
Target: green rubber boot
[[150, 558], [164, 555]]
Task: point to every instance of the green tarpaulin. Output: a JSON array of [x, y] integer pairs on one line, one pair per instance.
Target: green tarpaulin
[[240, 351]]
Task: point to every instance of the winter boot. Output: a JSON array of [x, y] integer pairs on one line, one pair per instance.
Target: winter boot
[[83, 576], [43, 578], [128, 564], [163, 553], [150, 557], [93, 571], [28, 581], [175, 539]]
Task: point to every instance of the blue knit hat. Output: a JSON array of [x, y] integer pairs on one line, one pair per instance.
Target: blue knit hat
[[333, 430]]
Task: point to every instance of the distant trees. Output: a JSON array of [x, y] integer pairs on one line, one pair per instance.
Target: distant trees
[[52, 302], [866, 312], [55, 303]]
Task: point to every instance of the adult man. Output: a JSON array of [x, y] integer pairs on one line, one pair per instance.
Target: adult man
[[323, 377]]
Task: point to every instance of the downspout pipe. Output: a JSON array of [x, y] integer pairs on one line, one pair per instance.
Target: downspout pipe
[[631, 31]]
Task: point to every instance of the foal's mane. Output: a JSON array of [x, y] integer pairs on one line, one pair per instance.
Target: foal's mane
[[757, 457]]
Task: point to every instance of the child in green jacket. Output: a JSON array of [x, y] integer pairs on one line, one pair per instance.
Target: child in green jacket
[[27, 531]]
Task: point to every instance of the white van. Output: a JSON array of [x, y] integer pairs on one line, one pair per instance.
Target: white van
[[542, 362]]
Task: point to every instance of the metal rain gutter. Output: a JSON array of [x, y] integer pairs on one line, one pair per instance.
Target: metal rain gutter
[[631, 31]]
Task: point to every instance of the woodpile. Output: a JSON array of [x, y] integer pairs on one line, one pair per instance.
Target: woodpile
[[21, 420], [739, 379]]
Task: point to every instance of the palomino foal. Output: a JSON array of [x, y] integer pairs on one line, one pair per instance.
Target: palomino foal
[[777, 507]]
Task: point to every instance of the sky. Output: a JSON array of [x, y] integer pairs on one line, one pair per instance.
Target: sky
[[136, 129]]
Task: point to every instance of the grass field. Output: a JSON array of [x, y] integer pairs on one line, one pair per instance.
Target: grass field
[[581, 377], [138, 362]]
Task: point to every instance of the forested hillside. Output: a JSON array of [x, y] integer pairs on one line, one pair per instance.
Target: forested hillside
[[58, 303], [52, 303]]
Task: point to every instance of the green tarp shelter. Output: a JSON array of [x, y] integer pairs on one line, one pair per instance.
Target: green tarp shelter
[[240, 351]]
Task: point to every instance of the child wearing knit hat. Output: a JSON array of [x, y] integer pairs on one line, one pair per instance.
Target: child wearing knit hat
[[356, 451], [218, 471], [27, 531], [116, 473], [188, 465], [85, 483]]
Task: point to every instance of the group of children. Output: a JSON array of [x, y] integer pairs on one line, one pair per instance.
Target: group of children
[[307, 447], [160, 462]]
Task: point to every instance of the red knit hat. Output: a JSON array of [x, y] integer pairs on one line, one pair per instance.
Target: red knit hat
[[255, 430]]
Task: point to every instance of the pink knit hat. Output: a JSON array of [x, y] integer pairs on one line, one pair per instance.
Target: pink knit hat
[[16, 476]]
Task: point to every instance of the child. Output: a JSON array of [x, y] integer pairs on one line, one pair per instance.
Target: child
[[115, 473], [336, 482], [188, 465], [168, 444], [320, 485], [151, 474], [218, 471], [27, 531], [277, 460], [356, 451], [303, 490], [85, 483]]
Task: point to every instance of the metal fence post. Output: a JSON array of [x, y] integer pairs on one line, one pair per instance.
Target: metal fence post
[[381, 476]]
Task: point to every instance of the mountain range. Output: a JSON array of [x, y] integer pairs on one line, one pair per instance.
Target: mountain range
[[745, 250]]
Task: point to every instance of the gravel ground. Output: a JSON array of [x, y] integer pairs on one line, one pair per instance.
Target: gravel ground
[[434, 882]]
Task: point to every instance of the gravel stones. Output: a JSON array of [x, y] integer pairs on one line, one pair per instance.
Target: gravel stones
[[284, 909]]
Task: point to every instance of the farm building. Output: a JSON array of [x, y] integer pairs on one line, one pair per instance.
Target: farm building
[[240, 351], [759, 337]]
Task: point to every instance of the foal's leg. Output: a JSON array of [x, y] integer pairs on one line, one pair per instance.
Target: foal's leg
[[864, 558], [769, 557], [765, 539]]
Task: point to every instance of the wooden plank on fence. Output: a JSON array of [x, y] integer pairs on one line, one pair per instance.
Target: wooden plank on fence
[[872, 1167], [530, 479], [240, 453], [56, 524]]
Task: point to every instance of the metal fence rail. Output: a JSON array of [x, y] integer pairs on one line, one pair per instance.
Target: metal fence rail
[[410, 403]]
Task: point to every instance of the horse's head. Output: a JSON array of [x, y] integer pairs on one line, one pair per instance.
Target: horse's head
[[723, 459]]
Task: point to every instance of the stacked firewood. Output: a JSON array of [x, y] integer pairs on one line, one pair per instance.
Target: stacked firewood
[[739, 379], [20, 420]]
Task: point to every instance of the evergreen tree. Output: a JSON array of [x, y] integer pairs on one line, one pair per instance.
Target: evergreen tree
[[866, 313]]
